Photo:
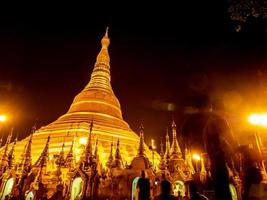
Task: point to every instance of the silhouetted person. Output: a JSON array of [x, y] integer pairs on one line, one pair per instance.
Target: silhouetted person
[[194, 195], [258, 189], [252, 177], [205, 131], [143, 185], [165, 191], [180, 197], [186, 196], [58, 194]]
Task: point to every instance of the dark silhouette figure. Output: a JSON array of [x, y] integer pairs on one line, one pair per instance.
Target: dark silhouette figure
[[165, 191], [58, 194], [194, 195], [255, 190], [205, 131], [179, 196], [251, 175], [143, 185]]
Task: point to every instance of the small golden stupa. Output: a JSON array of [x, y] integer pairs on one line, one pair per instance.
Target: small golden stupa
[[98, 103]]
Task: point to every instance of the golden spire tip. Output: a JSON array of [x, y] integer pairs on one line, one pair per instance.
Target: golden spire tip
[[106, 34]]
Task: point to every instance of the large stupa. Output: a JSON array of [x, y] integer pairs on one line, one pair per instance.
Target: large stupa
[[98, 103]]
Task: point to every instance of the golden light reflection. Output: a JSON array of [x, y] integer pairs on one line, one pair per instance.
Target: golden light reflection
[[83, 140], [196, 157], [77, 151], [258, 119], [153, 144], [3, 118]]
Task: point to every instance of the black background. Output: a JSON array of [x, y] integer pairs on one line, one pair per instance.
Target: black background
[[161, 52]]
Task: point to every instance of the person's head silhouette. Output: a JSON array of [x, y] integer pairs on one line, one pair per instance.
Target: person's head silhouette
[[165, 187], [256, 175], [192, 187], [143, 174], [202, 103]]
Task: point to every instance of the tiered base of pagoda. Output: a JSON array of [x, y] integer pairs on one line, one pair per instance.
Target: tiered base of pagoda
[[69, 132]]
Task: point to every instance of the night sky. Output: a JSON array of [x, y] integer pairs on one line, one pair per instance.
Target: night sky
[[161, 55]]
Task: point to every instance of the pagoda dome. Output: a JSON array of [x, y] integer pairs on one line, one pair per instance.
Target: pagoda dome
[[140, 162], [95, 103]]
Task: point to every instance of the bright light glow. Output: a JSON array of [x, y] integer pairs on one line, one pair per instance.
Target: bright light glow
[[258, 119], [83, 140], [196, 157], [153, 144], [3, 118]]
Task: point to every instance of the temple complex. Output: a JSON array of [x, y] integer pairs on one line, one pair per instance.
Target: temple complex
[[91, 152]]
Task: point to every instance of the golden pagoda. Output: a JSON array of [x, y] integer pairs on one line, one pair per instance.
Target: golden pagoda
[[98, 103]]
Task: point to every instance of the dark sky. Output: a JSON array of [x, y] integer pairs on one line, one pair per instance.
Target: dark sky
[[160, 53]]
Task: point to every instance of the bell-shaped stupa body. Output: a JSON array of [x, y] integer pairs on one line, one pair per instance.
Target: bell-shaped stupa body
[[98, 103]]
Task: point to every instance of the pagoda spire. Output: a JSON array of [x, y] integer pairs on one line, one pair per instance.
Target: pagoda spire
[[100, 78], [175, 148], [96, 150], [61, 155], [69, 161], [4, 161], [11, 154], [141, 148], [162, 164], [118, 159], [88, 155], [26, 161], [43, 159], [168, 146], [110, 158], [60, 162], [38, 178]]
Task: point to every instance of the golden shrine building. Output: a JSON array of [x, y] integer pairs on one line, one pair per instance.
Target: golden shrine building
[[92, 153]]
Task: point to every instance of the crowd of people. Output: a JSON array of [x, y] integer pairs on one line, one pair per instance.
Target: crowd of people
[[143, 188]]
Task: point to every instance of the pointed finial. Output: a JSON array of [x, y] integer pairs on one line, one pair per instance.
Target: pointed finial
[[105, 41], [43, 158], [91, 126], [70, 161], [106, 34], [10, 135], [110, 158], [175, 148], [100, 78], [173, 123], [161, 148], [168, 146], [96, 149], [118, 161], [34, 126], [11, 156], [141, 128], [141, 149]]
